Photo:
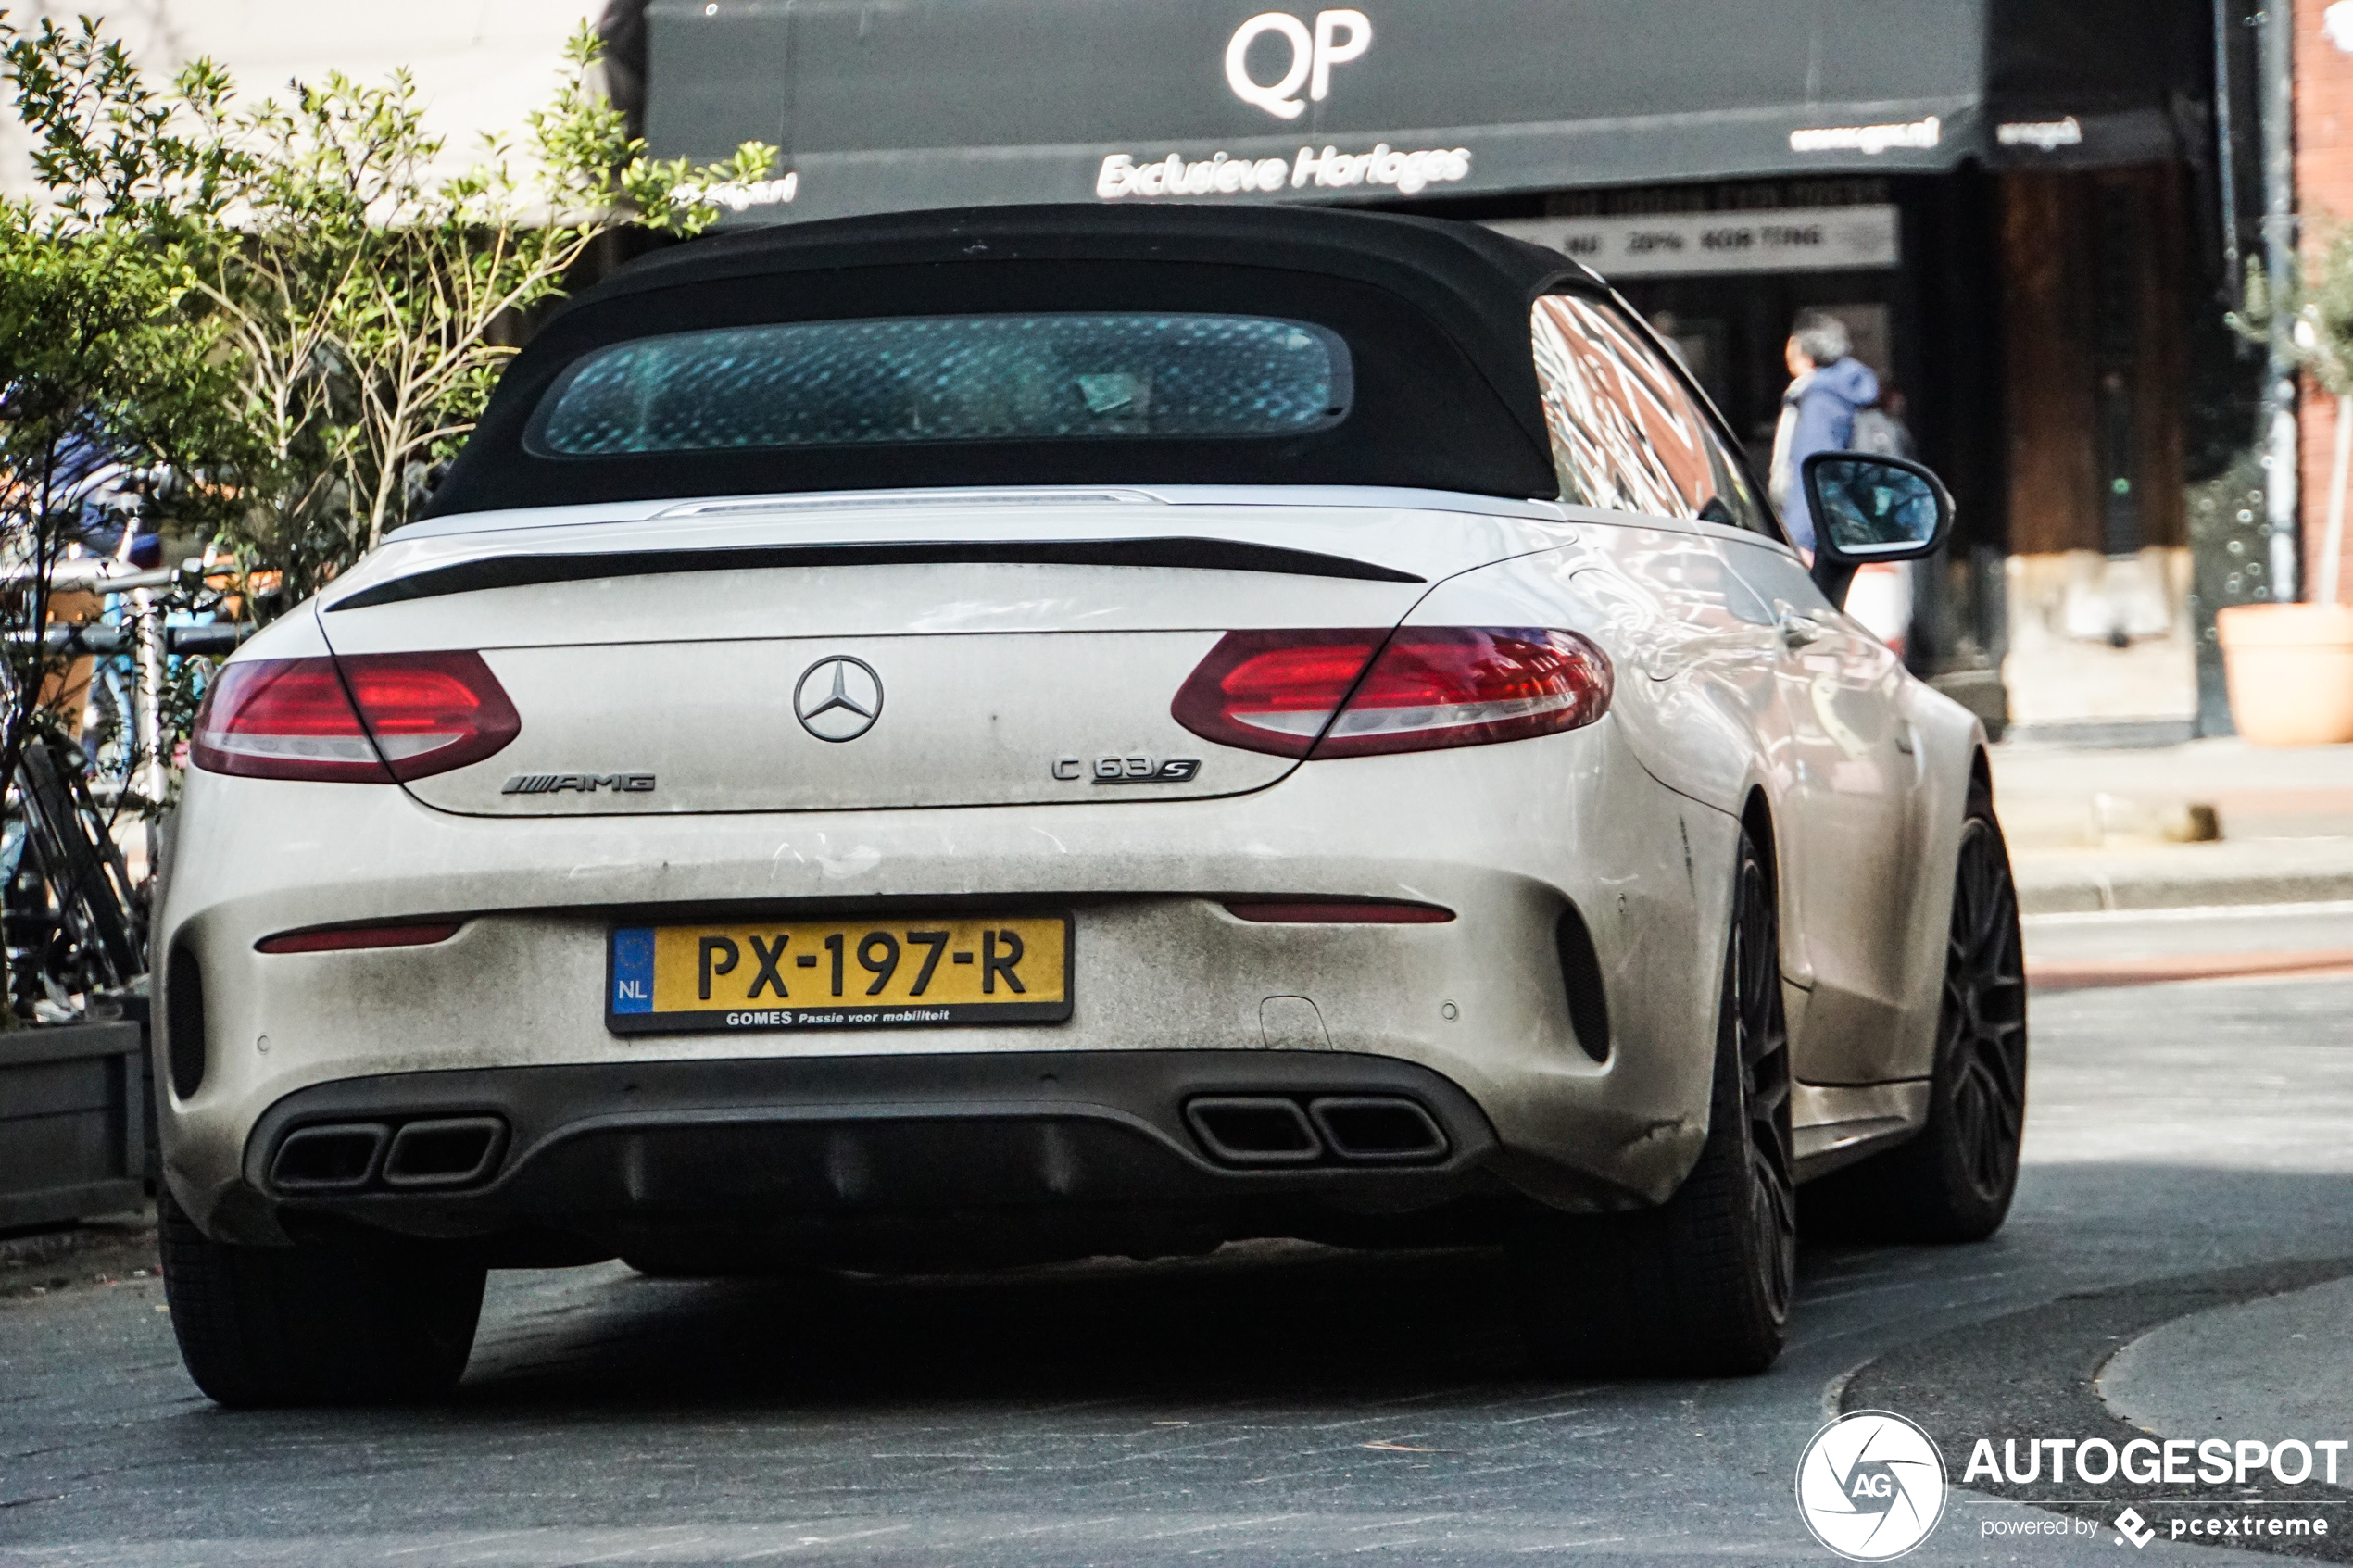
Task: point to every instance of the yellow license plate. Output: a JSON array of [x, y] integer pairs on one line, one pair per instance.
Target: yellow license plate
[[838, 975]]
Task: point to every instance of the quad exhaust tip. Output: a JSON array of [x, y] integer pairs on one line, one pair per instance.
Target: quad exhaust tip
[[449, 1151], [1378, 1129], [1269, 1130], [337, 1159], [1255, 1130], [454, 1152]]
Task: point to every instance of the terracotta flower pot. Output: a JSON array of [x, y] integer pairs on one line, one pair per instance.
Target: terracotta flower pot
[[2290, 671]]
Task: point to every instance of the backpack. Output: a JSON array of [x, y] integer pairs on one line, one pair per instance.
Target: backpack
[[1879, 433]]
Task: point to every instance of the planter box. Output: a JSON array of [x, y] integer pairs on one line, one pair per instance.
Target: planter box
[[72, 1123], [2290, 671]]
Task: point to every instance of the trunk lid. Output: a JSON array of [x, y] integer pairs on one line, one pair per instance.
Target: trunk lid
[[863, 653]]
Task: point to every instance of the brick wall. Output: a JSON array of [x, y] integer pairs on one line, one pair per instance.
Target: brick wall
[[2324, 195]]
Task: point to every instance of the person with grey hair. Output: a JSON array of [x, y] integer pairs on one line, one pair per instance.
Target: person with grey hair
[[1827, 386]]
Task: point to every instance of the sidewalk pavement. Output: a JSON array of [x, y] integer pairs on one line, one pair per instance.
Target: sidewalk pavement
[[2208, 823], [97, 1252], [2272, 1368]]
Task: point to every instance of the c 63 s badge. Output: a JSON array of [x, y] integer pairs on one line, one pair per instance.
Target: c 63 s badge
[[586, 783], [1136, 769]]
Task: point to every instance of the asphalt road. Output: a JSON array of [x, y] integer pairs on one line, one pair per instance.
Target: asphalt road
[[1273, 1404]]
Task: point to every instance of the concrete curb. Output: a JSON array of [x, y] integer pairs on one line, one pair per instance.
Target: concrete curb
[[2092, 974], [2186, 876], [2085, 894]]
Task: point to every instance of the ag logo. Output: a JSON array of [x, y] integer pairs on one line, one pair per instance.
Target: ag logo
[[1871, 1485], [1339, 37]]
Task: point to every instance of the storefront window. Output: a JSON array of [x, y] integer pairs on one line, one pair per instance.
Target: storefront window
[[1626, 434]]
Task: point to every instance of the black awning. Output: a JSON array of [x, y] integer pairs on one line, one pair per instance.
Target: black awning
[[934, 103]]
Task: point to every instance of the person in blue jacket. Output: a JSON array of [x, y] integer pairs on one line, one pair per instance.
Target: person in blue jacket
[[1827, 386]]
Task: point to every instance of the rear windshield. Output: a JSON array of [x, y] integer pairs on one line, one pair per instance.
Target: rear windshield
[[908, 380]]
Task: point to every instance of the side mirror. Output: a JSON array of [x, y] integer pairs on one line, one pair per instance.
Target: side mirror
[[1868, 509]]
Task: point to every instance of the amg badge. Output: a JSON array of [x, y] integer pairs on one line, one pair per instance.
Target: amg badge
[[586, 783], [1127, 770]]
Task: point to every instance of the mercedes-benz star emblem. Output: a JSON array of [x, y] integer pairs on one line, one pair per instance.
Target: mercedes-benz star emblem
[[839, 698]]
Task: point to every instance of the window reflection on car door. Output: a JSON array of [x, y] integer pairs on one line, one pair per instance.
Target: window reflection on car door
[[1750, 654], [1852, 784]]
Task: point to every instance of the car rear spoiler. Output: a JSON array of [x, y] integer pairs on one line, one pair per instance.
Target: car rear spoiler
[[1200, 555]]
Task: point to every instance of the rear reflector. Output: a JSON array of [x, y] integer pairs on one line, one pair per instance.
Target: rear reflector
[[344, 938], [1338, 911], [366, 719], [1299, 694]]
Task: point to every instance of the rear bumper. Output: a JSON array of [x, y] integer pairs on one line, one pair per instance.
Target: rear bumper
[[1511, 838], [875, 1158]]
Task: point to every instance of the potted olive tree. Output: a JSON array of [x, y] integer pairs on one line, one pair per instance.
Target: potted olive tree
[[2289, 667]]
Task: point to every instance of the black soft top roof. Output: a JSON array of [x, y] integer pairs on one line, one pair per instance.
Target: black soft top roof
[[1435, 314]]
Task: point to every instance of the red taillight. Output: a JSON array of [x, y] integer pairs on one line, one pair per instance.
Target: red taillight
[[283, 719], [430, 712], [349, 938], [1460, 685], [1273, 691], [424, 713], [1430, 686]]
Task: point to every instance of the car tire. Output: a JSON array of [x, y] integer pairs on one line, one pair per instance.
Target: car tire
[[1700, 1285], [1954, 1181], [345, 1322]]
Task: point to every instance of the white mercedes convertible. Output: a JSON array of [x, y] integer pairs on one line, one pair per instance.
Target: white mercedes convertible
[[980, 737]]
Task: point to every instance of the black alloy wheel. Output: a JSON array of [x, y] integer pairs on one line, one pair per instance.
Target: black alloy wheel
[[1761, 1045], [1954, 1181], [1699, 1286], [1981, 1044]]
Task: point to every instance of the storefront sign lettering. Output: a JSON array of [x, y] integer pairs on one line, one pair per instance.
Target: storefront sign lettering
[[2044, 135], [1791, 239], [1338, 37], [1329, 169], [1917, 135], [742, 195]]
